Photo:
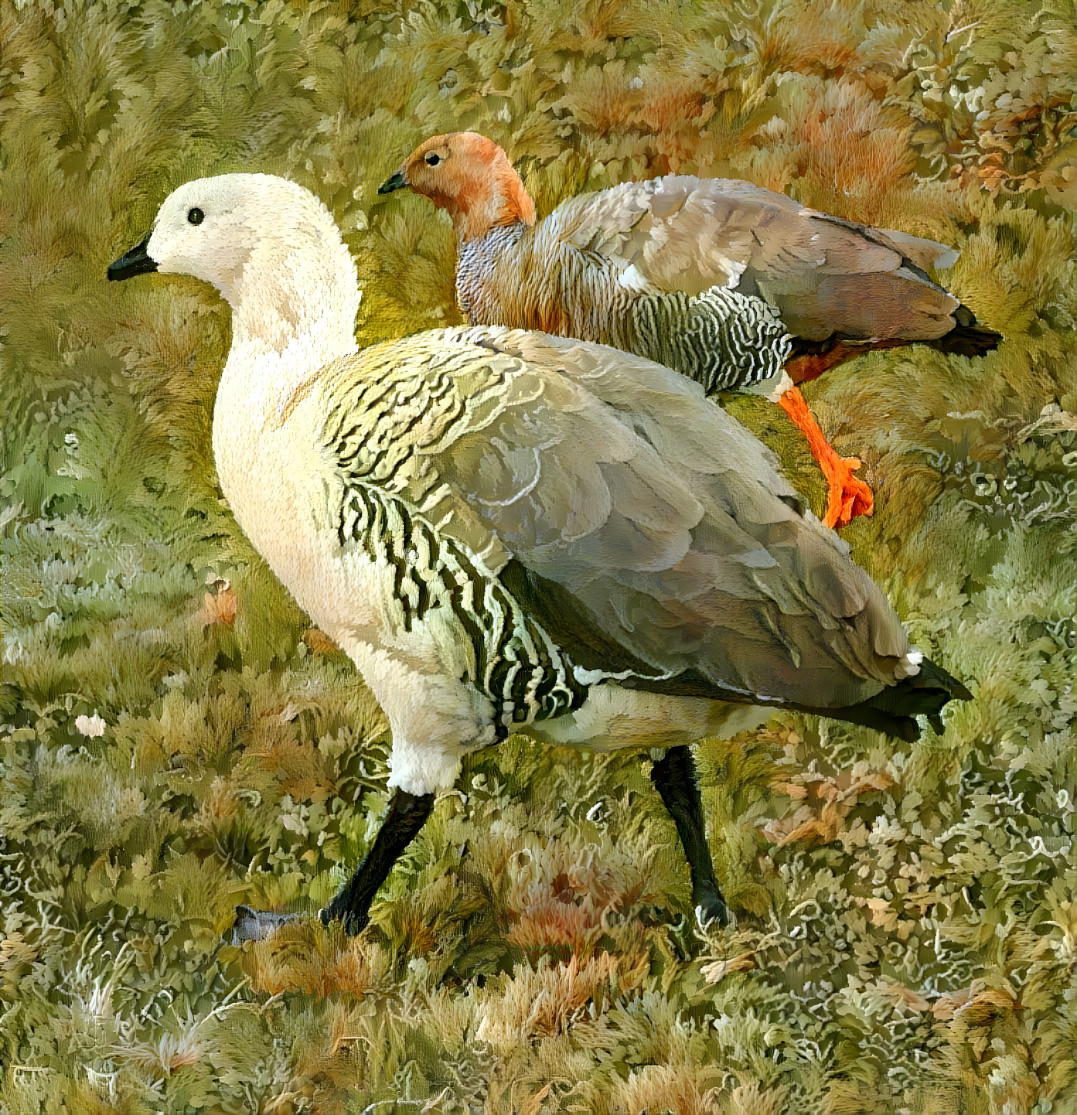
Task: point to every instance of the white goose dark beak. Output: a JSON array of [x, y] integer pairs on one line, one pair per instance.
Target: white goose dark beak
[[135, 262]]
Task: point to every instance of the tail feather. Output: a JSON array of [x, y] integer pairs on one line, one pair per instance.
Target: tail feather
[[967, 338]]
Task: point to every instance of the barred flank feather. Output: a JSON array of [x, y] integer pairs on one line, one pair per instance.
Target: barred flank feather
[[462, 452], [516, 663], [721, 339], [513, 660]]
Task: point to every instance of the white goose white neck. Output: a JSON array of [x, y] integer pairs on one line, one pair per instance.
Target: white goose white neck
[[293, 312]]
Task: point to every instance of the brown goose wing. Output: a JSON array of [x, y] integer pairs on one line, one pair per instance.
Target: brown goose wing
[[824, 274]]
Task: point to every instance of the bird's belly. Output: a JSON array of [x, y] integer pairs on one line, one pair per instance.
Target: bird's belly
[[288, 508], [613, 717]]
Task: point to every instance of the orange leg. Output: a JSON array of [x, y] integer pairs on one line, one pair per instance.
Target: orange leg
[[809, 365], [848, 496]]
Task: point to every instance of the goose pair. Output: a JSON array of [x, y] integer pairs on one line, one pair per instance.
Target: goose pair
[[654, 268], [508, 531]]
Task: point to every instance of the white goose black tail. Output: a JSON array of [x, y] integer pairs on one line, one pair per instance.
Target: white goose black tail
[[895, 709]]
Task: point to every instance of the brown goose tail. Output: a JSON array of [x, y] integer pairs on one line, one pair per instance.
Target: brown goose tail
[[967, 338]]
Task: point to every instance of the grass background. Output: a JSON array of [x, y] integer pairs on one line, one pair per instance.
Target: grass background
[[175, 739]]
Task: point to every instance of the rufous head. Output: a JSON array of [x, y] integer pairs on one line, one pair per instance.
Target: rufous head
[[471, 177]]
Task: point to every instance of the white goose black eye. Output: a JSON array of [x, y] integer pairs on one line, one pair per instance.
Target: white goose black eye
[[432, 159], [195, 216]]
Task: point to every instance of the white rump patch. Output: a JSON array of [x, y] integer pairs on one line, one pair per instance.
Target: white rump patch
[[735, 269], [910, 663]]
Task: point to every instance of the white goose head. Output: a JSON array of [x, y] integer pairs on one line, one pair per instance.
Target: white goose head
[[270, 247]]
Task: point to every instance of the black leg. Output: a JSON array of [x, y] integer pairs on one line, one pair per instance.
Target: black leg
[[406, 816], [674, 777]]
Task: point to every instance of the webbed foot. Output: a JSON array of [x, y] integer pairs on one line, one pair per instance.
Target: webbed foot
[[849, 496]]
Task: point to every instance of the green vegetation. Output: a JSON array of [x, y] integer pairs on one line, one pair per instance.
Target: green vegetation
[[174, 739]]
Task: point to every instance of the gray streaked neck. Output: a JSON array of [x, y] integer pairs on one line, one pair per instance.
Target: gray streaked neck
[[475, 258]]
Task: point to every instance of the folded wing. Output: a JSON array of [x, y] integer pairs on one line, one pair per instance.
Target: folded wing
[[824, 274], [661, 521]]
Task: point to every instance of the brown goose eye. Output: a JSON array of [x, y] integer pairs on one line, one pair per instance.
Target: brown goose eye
[[432, 159], [195, 216]]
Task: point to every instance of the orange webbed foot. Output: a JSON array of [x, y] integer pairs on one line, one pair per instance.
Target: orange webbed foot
[[848, 496]]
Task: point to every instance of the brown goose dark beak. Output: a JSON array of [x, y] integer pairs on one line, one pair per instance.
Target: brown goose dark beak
[[397, 182]]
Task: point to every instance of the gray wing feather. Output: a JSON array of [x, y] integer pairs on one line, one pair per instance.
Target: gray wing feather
[[667, 521], [823, 274]]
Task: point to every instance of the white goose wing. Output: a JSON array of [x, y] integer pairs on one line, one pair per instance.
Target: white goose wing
[[663, 526]]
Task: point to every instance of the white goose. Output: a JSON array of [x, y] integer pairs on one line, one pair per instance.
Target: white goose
[[513, 532]]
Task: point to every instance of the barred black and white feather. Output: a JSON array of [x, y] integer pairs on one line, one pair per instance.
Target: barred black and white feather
[[721, 339]]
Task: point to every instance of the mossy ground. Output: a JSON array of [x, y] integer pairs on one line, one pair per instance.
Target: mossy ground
[[175, 740]]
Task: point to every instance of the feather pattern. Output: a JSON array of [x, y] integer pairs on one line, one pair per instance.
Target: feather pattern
[[719, 337], [662, 520], [823, 274], [391, 507]]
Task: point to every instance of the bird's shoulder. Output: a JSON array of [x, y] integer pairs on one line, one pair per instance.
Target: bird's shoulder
[[677, 232]]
